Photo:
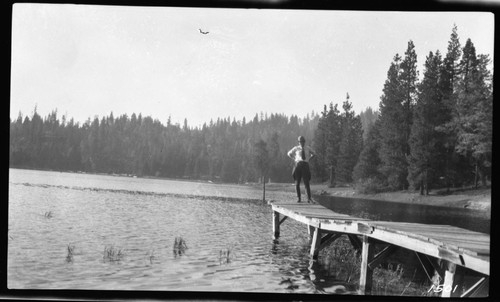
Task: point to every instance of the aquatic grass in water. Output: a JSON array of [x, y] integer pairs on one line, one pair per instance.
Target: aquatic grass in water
[[69, 256], [343, 261], [112, 254], [225, 256], [180, 246], [391, 282], [151, 256], [388, 280]]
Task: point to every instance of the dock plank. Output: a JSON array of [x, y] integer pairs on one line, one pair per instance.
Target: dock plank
[[448, 231], [450, 236], [436, 227]]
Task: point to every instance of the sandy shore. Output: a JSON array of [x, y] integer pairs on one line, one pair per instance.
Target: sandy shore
[[479, 199]]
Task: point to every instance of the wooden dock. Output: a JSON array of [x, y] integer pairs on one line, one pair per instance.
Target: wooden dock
[[439, 248]]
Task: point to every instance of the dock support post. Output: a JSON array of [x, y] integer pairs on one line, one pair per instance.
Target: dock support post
[[310, 231], [316, 243], [276, 224], [449, 276], [365, 278]]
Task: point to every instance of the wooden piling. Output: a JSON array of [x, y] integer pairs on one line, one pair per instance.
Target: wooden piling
[[316, 243], [310, 231], [449, 276], [365, 278], [276, 225]]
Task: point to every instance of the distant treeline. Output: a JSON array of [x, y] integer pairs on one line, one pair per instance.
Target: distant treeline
[[437, 131], [221, 150]]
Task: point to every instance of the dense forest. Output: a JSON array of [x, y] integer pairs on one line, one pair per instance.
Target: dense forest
[[223, 150], [434, 130], [437, 130]]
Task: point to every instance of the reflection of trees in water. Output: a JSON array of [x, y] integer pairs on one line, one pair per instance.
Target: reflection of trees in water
[[362, 208]]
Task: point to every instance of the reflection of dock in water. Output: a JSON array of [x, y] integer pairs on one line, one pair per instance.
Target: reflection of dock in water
[[441, 249]]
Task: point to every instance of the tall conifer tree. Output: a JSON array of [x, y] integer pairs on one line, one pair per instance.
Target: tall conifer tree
[[351, 142], [396, 109], [392, 124], [448, 82], [333, 136], [366, 173], [319, 143], [473, 118], [408, 81], [425, 142]]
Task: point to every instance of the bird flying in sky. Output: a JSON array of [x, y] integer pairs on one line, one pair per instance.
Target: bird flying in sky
[[203, 32]]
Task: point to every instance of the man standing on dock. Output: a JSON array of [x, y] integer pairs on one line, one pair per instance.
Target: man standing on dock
[[301, 154]]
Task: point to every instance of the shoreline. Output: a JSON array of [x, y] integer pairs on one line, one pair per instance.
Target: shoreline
[[474, 199]]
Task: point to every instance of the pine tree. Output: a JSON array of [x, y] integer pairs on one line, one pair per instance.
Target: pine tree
[[396, 114], [448, 82], [366, 174], [319, 144], [392, 129], [275, 156], [450, 71], [368, 118], [473, 118], [425, 142], [408, 82], [333, 136], [350, 144], [261, 161]]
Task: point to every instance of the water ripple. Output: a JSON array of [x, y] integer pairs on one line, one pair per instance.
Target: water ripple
[[227, 233]]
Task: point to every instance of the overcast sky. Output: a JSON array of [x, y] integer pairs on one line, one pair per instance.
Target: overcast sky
[[92, 60]]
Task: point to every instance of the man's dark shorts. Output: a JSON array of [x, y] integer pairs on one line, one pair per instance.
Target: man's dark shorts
[[301, 171]]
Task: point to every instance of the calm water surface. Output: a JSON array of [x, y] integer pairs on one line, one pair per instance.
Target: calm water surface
[[475, 220], [142, 217]]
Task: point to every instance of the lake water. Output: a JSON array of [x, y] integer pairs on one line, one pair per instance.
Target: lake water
[[52, 211], [474, 220]]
